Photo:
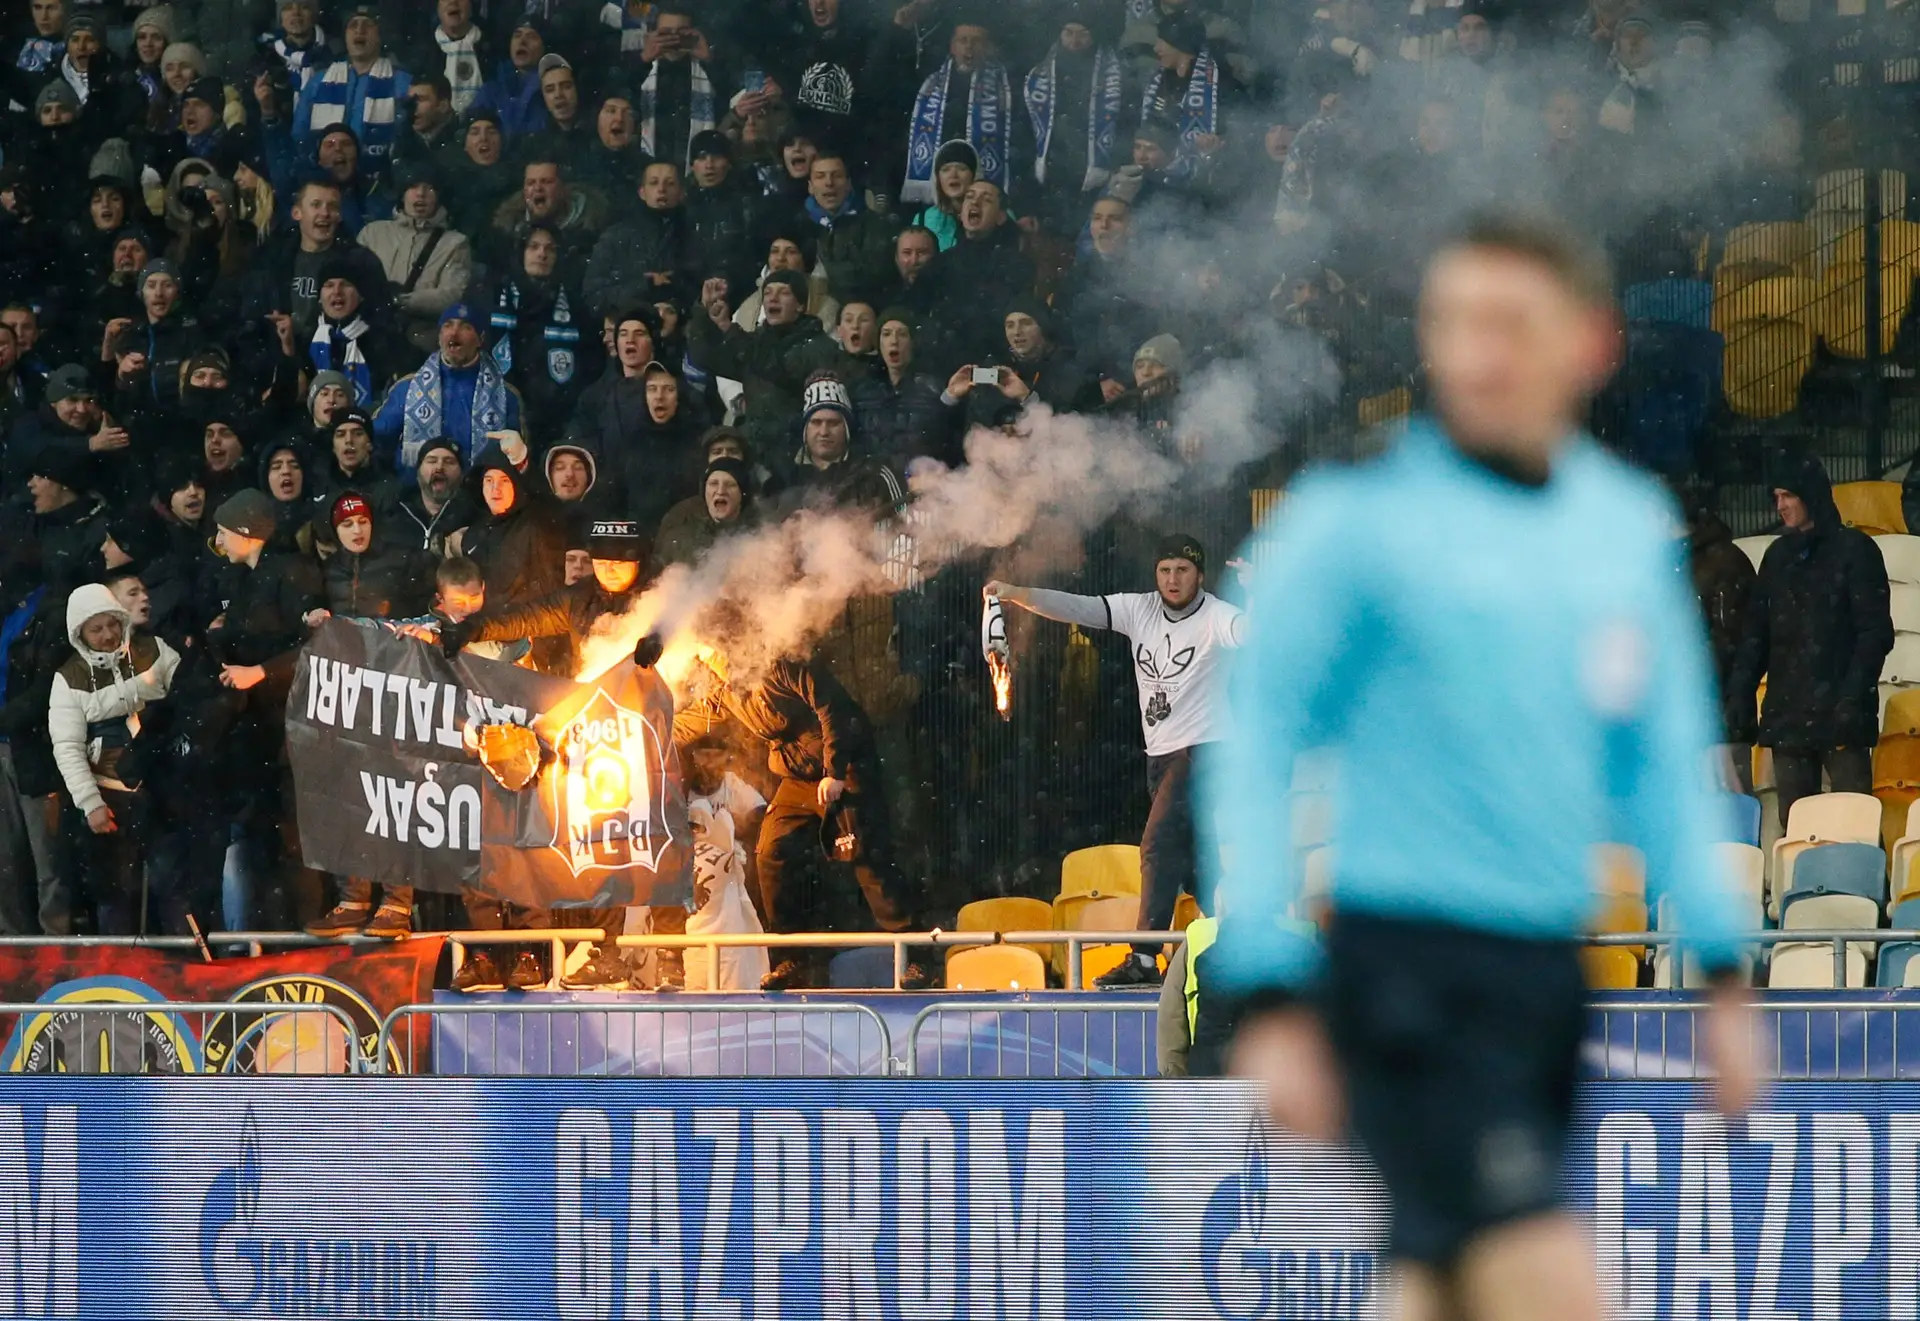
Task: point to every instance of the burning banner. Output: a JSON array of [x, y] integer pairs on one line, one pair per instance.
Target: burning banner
[[993, 642], [412, 769]]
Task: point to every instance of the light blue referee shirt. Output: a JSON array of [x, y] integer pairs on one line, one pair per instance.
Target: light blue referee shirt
[[1508, 675]]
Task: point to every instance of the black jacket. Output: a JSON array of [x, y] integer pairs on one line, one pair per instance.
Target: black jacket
[[523, 552], [381, 584], [902, 422], [727, 223], [31, 662], [972, 284], [628, 252], [765, 365], [264, 624], [412, 526], [813, 726], [1723, 580], [1819, 628]]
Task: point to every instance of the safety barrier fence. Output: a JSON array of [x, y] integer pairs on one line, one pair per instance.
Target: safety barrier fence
[[247, 1037]]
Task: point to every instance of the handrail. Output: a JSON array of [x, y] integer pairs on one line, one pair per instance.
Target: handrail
[[27, 1010]]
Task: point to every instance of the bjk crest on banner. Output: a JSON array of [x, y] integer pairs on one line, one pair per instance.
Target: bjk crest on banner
[[609, 810]]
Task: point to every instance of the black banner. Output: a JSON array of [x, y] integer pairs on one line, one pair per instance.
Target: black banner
[[381, 731]]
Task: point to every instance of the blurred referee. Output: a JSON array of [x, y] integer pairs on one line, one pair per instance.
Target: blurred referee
[[1487, 628]]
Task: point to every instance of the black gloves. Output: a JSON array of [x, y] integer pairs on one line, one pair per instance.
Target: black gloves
[[455, 636], [647, 652]]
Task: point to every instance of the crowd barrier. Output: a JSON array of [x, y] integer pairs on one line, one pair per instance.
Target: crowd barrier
[[604, 1199]]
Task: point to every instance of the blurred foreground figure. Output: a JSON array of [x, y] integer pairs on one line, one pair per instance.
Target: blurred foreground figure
[[1485, 630]]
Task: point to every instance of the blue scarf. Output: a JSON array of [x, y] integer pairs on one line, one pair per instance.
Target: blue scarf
[[699, 107], [1197, 113], [818, 214], [633, 28], [1103, 115], [337, 349], [426, 411], [989, 115], [204, 145], [376, 104], [299, 59], [36, 53], [561, 334], [12, 629]]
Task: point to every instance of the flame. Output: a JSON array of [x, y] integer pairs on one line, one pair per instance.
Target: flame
[[1002, 671]]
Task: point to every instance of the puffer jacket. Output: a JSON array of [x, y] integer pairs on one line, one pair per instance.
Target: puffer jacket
[[764, 364], [1819, 626], [398, 242], [98, 695]]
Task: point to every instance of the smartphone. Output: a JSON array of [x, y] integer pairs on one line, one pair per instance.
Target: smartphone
[[753, 81], [986, 376]]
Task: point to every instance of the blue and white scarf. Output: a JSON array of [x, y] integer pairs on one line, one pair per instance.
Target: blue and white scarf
[[377, 104], [632, 27], [462, 68], [1103, 115], [699, 107], [298, 59], [337, 349], [989, 117], [1197, 114], [561, 334], [36, 53], [425, 415]]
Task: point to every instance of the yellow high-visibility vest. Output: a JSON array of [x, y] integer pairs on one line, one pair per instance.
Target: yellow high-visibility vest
[[1201, 933]]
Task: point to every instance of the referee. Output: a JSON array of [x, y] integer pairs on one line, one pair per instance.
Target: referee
[[1487, 627], [1179, 633]]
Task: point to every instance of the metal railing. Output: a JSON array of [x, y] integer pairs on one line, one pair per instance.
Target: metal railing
[[1044, 1034], [160, 1037], [1839, 940], [1816, 1039], [742, 1040]]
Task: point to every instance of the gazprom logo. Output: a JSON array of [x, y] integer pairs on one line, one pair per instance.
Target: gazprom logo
[[1253, 1272], [256, 1263]]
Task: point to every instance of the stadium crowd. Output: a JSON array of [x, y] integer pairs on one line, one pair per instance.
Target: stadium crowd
[[434, 310]]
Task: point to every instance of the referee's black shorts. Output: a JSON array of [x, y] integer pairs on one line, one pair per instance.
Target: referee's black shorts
[[1460, 1052]]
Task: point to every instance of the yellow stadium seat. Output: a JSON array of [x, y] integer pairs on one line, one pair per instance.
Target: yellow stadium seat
[[1011, 913], [1729, 277], [1610, 968], [1779, 242], [1846, 191], [1902, 718], [1769, 298], [1842, 315], [1185, 909], [1380, 409], [1620, 871], [1081, 912], [1266, 501], [1873, 507], [1104, 869], [1904, 853], [1099, 960], [1896, 761], [1621, 915], [1900, 241], [1838, 236], [1766, 362], [996, 968]]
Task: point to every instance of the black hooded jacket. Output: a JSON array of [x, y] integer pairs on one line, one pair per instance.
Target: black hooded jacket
[[523, 552], [1819, 627]]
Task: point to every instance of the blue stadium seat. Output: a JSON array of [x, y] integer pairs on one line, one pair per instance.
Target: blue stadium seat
[[1839, 886], [1671, 388], [1674, 301], [867, 969], [1894, 960], [1745, 811], [1905, 915]]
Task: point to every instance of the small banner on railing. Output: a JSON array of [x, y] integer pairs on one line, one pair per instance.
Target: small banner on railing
[[412, 769], [364, 984]]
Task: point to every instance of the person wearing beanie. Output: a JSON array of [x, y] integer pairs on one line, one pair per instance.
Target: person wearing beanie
[[955, 166], [790, 247], [723, 507], [459, 394], [299, 44], [225, 467], [680, 95], [899, 411], [512, 95], [1075, 100], [69, 521], [149, 354], [725, 211], [427, 262], [282, 474], [172, 575], [827, 473], [534, 331], [142, 79], [477, 172], [345, 461], [434, 505], [611, 164], [947, 107], [255, 644], [1819, 627], [970, 283], [518, 539], [347, 340], [1179, 634], [362, 90], [1037, 366], [760, 360], [93, 714]]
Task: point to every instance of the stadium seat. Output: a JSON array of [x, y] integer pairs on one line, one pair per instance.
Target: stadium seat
[[1905, 915], [1846, 191], [1380, 409], [1730, 279], [1185, 909], [1904, 605], [1842, 314], [1902, 666], [1755, 548], [1792, 298], [1839, 887], [1610, 968], [1900, 241], [869, 968], [1898, 967], [1620, 871], [1097, 961], [1104, 869], [1872, 507], [1673, 301], [1765, 365], [1781, 241], [996, 968], [1745, 868], [1902, 557], [1692, 978], [1743, 810], [1616, 915], [1011, 913], [1669, 384], [1818, 820], [1904, 853], [1082, 912], [1809, 967]]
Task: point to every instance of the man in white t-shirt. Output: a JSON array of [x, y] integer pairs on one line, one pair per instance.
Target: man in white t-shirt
[[1178, 632]]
